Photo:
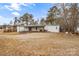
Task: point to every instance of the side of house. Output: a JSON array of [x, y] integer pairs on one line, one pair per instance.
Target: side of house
[[52, 28], [9, 28], [30, 28]]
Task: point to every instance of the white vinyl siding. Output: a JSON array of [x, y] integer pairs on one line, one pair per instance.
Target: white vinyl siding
[[52, 28]]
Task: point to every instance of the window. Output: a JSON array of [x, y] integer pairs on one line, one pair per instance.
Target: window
[[36, 28], [56, 27]]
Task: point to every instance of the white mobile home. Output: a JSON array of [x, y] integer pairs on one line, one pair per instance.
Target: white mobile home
[[77, 29], [52, 28]]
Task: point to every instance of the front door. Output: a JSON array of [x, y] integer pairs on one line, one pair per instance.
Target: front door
[[30, 29]]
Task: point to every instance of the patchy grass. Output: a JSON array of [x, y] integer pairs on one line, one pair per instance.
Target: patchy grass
[[39, 44]]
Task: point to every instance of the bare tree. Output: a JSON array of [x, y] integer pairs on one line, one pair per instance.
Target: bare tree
[[70, 15], [15, 20], [74, 16], [42, 21]]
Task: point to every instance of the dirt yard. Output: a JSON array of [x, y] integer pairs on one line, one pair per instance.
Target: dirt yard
[[39, 44]]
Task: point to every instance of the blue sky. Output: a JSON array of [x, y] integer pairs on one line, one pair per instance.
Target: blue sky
[[9, 10]]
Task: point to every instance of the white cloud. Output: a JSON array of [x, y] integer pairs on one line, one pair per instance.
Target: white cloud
[[23, 4], [13, 6], [15, 14], [27, 4], [6, 6], [30, 5], [4, 20], [17, 6], [33, 4], [1, 16]]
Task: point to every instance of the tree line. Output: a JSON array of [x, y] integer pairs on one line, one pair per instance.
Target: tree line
[[65, 14]]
